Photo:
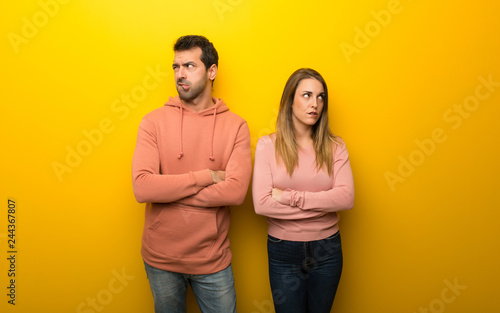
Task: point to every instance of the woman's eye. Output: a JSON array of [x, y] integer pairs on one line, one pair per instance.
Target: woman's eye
[[306, 95]]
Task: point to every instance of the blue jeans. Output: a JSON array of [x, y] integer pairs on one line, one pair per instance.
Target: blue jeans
[[214, 293], [304, 275]]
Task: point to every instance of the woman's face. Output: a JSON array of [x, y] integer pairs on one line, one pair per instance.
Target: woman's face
[[307, 103]]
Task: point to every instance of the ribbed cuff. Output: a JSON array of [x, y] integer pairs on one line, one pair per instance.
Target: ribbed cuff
[[293, 198]]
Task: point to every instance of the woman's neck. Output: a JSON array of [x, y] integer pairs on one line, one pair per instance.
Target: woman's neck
[[303, 137]]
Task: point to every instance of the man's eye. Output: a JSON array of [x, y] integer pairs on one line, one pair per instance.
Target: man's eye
[[190, 65]]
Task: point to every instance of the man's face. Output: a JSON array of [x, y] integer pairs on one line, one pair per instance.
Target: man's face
[[191, 76]]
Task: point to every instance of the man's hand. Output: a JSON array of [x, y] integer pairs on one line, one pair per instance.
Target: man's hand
[[276, 194], [218, 176]]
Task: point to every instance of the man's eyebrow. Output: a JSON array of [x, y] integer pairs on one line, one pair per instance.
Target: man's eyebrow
[[184, 64]]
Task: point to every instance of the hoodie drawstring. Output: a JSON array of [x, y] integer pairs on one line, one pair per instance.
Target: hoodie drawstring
[[180, 138], [211, 156]]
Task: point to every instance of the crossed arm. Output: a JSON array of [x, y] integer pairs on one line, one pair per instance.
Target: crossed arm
[[230, 187], [204, 188], [291, 204]]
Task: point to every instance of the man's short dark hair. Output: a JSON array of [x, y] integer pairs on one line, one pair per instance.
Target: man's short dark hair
[[209, 55]]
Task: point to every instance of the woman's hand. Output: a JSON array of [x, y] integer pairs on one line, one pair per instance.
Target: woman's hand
[[276, 194]]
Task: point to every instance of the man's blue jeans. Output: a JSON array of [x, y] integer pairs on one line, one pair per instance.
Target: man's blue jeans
[[304, 275], [215, 292]]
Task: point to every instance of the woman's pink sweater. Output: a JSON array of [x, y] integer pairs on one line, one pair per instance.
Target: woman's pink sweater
[[311, 200]]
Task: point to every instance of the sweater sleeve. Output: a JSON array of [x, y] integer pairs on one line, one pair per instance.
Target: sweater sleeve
[[147, 182], [233, 189], [262, 186], [340, 197]]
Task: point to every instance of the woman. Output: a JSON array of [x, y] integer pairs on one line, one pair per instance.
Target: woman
[[302, 179]]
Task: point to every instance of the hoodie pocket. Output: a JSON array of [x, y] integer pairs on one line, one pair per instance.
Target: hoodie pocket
[[180, 233]]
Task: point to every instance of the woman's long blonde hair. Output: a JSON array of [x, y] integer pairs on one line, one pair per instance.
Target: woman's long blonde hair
[[286, 146]]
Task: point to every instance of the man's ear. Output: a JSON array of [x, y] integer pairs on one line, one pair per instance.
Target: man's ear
[[212, 72]]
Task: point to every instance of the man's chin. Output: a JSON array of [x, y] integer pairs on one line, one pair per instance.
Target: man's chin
[[185, 97], [190, 94]]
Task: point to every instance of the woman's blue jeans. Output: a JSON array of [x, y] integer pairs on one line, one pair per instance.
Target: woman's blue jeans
[[304, 275], [214, 293]]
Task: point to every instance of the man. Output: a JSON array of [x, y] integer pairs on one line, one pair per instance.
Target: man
[[192, 160]]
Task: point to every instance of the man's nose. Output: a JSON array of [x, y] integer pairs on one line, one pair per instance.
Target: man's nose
[[181, 73]]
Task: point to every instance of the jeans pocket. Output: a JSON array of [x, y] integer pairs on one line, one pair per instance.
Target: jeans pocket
[[333, 236], [273, 239]]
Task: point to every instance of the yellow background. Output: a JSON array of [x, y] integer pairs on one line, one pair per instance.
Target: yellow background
[[400, 82]]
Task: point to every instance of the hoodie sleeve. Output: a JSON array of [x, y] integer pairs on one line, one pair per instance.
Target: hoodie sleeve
[[233, 189], [151, 186], [340, 197], [262, 186]]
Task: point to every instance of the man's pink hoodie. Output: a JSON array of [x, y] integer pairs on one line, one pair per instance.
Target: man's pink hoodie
[[187, 215]]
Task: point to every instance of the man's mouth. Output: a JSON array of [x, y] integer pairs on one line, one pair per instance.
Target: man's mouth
[[183, 86]]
